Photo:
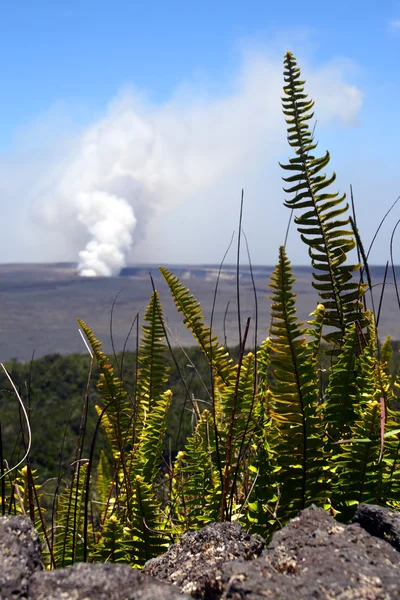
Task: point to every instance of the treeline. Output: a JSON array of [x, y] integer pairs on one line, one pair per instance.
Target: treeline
[[53, 389]]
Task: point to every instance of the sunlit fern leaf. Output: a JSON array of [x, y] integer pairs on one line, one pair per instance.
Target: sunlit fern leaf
[[68, 547], [114, 398], [324, 224], [297, 434], [28, 502], [197, 485], [176, 510], [193, 318], [153, 368]]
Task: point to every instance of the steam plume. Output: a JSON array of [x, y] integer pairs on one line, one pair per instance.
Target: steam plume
[[140, 160]]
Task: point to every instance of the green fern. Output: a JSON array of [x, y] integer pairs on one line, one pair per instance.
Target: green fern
[[197, 483], [153, 370], [68, 547], [324, 224], [238, 421], [116, 406], [193, 318], [342, 388], [102, 485], [147, 534], [297, 435], [151, 442], [359, 471], [263, 363], [112, 546]]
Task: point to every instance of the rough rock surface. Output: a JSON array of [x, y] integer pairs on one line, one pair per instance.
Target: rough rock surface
[[195, 563], [314, 556], [20, 556], [107, 581], [380, 522]]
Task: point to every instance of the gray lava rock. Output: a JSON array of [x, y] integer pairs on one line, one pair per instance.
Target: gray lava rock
[[194, 564], [314, 556], [20, 556], [380, 522], [107, 581]]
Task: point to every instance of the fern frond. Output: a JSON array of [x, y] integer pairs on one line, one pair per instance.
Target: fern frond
[[264, 501], [387, 354], [238, 424], [68, 547], [359, 470], [324, 224], [103, 484], [112, 546], [186, 304], [114, 396], [149, 449], [197, 483], [153, 369], [297, 435], [263, 361], [342, 388], [146, 534]]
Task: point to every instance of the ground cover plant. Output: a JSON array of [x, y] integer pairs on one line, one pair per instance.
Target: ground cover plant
[[275, 433]]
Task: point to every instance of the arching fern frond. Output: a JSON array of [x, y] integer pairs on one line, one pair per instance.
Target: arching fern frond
[[324, 224], [193, 318]]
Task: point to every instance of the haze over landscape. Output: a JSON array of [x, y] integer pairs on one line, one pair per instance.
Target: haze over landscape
[[128, 131]]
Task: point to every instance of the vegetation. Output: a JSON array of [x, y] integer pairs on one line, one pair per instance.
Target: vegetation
[[276, 432]]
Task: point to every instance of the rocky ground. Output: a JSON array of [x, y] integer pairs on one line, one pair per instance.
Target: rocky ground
[[314, 556]]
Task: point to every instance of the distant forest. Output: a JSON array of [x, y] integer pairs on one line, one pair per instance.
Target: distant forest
[[53, 389]]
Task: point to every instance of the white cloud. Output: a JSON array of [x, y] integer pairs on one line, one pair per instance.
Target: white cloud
[[102, 198]]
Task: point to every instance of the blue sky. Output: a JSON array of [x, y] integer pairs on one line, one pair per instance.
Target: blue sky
[[72, 70]]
